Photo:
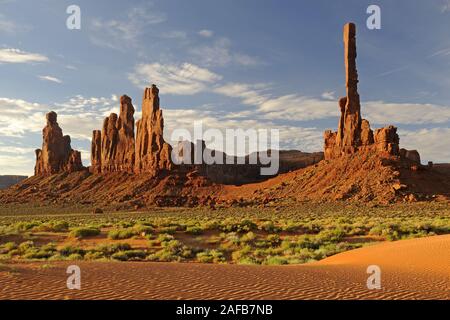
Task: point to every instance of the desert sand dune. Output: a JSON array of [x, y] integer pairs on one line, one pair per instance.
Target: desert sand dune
[[411, 269]]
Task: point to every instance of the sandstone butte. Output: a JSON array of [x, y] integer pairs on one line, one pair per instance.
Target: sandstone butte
[[129, 169]]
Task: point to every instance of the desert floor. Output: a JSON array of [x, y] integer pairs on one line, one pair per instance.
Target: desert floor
[[411, 269]]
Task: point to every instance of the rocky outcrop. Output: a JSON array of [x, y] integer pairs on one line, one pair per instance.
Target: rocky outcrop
[[113, 149], [153, 154], [96, 152], [354, 133], [387, 140], [412, 155], [56, 155]]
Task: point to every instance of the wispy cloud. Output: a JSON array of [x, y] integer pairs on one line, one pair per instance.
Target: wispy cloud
[[50, 79], [121, 33], [11, 55], [445, 7], [206, 33], [181, 79], [432, 143], [10, 27], [220, 53]]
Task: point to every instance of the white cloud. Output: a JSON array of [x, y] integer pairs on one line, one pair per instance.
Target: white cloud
[[206, 33], [16, 150], [250, 94], [329, 95], [78, 116], [11, 55], [50, 78], [381, 112], [16, 165], [219, 53], [445, 6], [182, 79], [432, 144], [306, 139], [120, 34]]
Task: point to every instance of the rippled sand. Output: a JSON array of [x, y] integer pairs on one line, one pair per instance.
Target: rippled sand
[[411, 269]]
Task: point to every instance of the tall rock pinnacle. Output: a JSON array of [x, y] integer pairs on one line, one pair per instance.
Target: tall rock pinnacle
[[354, 133], [152, 152], [349, 135], [56, 155]]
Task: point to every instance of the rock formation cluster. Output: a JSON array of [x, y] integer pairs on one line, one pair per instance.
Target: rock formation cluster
[[56, 155], [354, 133], [116, 148]]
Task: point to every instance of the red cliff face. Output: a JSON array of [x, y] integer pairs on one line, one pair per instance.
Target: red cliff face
[[153, 154], [56, 155], [354, 133]]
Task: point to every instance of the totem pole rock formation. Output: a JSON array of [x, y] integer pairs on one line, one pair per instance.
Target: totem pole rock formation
[[56, 155], [153, 154], [354, 133]]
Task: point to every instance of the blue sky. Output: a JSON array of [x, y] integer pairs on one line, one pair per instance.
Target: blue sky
[[234, 64]]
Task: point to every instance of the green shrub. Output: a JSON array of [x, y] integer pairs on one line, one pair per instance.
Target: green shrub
[[195, 230], [210, 256], [121, 234], [75, 257], [84, 232], [276, 261], [53, 226], [129, 255], [69, 250]]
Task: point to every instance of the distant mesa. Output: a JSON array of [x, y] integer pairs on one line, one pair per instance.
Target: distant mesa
[[9, 180]]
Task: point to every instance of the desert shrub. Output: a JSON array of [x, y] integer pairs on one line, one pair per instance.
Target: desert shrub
[[129, 255], [269, 227], [210, 256], [169, 230], [276, 260], [142, 229], [69, 250], [75, 257], [7, 247], [230, 225], [109, 249], [172, 250], [25, 246], [273, 239], [84, 232], [248, 237], [94, 255], [195, 230], [120, 234], [164, 237], [53, 226], [247, 261], [333, 235], [25, 226], [242, 253]]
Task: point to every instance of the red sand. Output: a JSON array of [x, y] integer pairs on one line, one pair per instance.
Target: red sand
[[411, 269]]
